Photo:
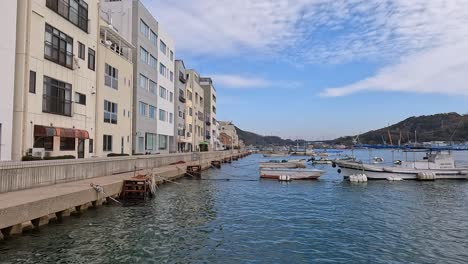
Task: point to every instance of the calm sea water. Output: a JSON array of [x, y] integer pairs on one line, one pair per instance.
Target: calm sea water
[[232, 217]]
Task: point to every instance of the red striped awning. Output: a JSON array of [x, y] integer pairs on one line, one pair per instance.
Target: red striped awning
[[43, 131]]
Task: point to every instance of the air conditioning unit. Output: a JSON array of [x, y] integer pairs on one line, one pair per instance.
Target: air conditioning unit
[[38, 152]]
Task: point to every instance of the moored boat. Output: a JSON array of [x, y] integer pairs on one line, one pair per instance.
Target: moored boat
[[294, 174], [434, 166], [283, 164]]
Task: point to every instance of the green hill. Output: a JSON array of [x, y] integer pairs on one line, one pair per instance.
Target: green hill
[[250, 138], [438, 127]]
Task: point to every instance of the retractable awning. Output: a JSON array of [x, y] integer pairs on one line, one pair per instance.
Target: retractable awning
[[44, 131]]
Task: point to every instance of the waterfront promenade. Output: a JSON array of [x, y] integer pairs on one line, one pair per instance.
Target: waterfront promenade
[[32, 194]]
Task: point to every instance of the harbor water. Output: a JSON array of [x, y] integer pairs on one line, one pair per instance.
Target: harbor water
[[230, 216]]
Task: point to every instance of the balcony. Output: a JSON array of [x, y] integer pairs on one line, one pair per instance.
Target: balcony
[[182, 99], [208, 123], [56, 105], [182, 77]]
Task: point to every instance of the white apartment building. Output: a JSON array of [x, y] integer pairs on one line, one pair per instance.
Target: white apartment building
[[196, 108], [166, 101], [211, 127], [114, 93], [153, 96], [7, 73], [55, 77]]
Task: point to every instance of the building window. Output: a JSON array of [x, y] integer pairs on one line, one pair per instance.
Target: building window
[[67, 144], [171, 97], [75, 11], [142, 108], [91, 145], [110, 112], [58, 47], [190, 128], [143, 55], [32, 82], [150, 143], [162, 115], [81, 50], [111, 77], [57, 97], [162, 142], [152, 112], [163, 47], [171, 76], [162, 92], [162, 70], [80, 98], [190, 111], [154, 38], [143, 82], [91, 59], [46, 143], [171, 118], [152, 87], [214, 109], [189, 95], [144, 29], [172, 56], [107, 143], [153, 62]]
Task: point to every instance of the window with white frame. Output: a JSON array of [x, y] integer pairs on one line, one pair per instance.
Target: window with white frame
[[162, 92], [171, 118], [111, 77], [171, 97], [171, 76], [110, 112], [153, 62], [154, 38], [142, 108], [162, 70], [143, 82], [152, 87], [144, 29], [162, 115], [144, 55], [162, 142], [152, 112], [163, 47]]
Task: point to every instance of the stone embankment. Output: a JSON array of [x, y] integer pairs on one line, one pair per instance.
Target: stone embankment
[[34, 193]]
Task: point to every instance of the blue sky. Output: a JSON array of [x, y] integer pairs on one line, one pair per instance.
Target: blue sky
[[319, 69]]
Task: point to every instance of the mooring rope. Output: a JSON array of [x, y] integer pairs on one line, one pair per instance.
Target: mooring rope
[[100, 189]]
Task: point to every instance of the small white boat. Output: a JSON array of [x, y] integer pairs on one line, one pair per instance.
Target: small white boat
[[294, 174], [283, 164], [272, 155], [377, 160], [434, 166]]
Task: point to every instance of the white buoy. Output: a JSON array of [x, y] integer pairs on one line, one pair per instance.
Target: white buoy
[[284, 178], [358, 178], [394, 178]]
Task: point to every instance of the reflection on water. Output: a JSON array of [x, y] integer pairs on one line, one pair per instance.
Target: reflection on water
[[233, 218]]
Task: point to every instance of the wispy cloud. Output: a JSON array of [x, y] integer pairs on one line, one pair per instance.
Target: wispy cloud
[[247, 82], [441, 70], [413, 38]]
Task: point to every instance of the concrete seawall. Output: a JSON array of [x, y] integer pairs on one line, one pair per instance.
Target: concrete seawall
[[42, 198]]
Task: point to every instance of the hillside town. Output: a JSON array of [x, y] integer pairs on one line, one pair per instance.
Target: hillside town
[[98, 79]]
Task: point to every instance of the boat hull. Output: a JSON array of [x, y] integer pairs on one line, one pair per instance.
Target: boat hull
[[382, 173], [294, 174]]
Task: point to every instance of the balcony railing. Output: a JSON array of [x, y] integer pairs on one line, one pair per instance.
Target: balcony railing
[[182, 99], [56, 105], [182, 78]]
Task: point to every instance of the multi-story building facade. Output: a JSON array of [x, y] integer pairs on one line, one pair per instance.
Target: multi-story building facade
[[180, 107], [229, 129], [211, 128], [196, 108], [189, 113], [166, 103], [7, 73], [55, 77], [153, 105], [114, 93]]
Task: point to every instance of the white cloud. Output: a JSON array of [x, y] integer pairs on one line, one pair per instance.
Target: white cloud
[[420, 41], [441, 70], [247, 82], [237, 81]]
